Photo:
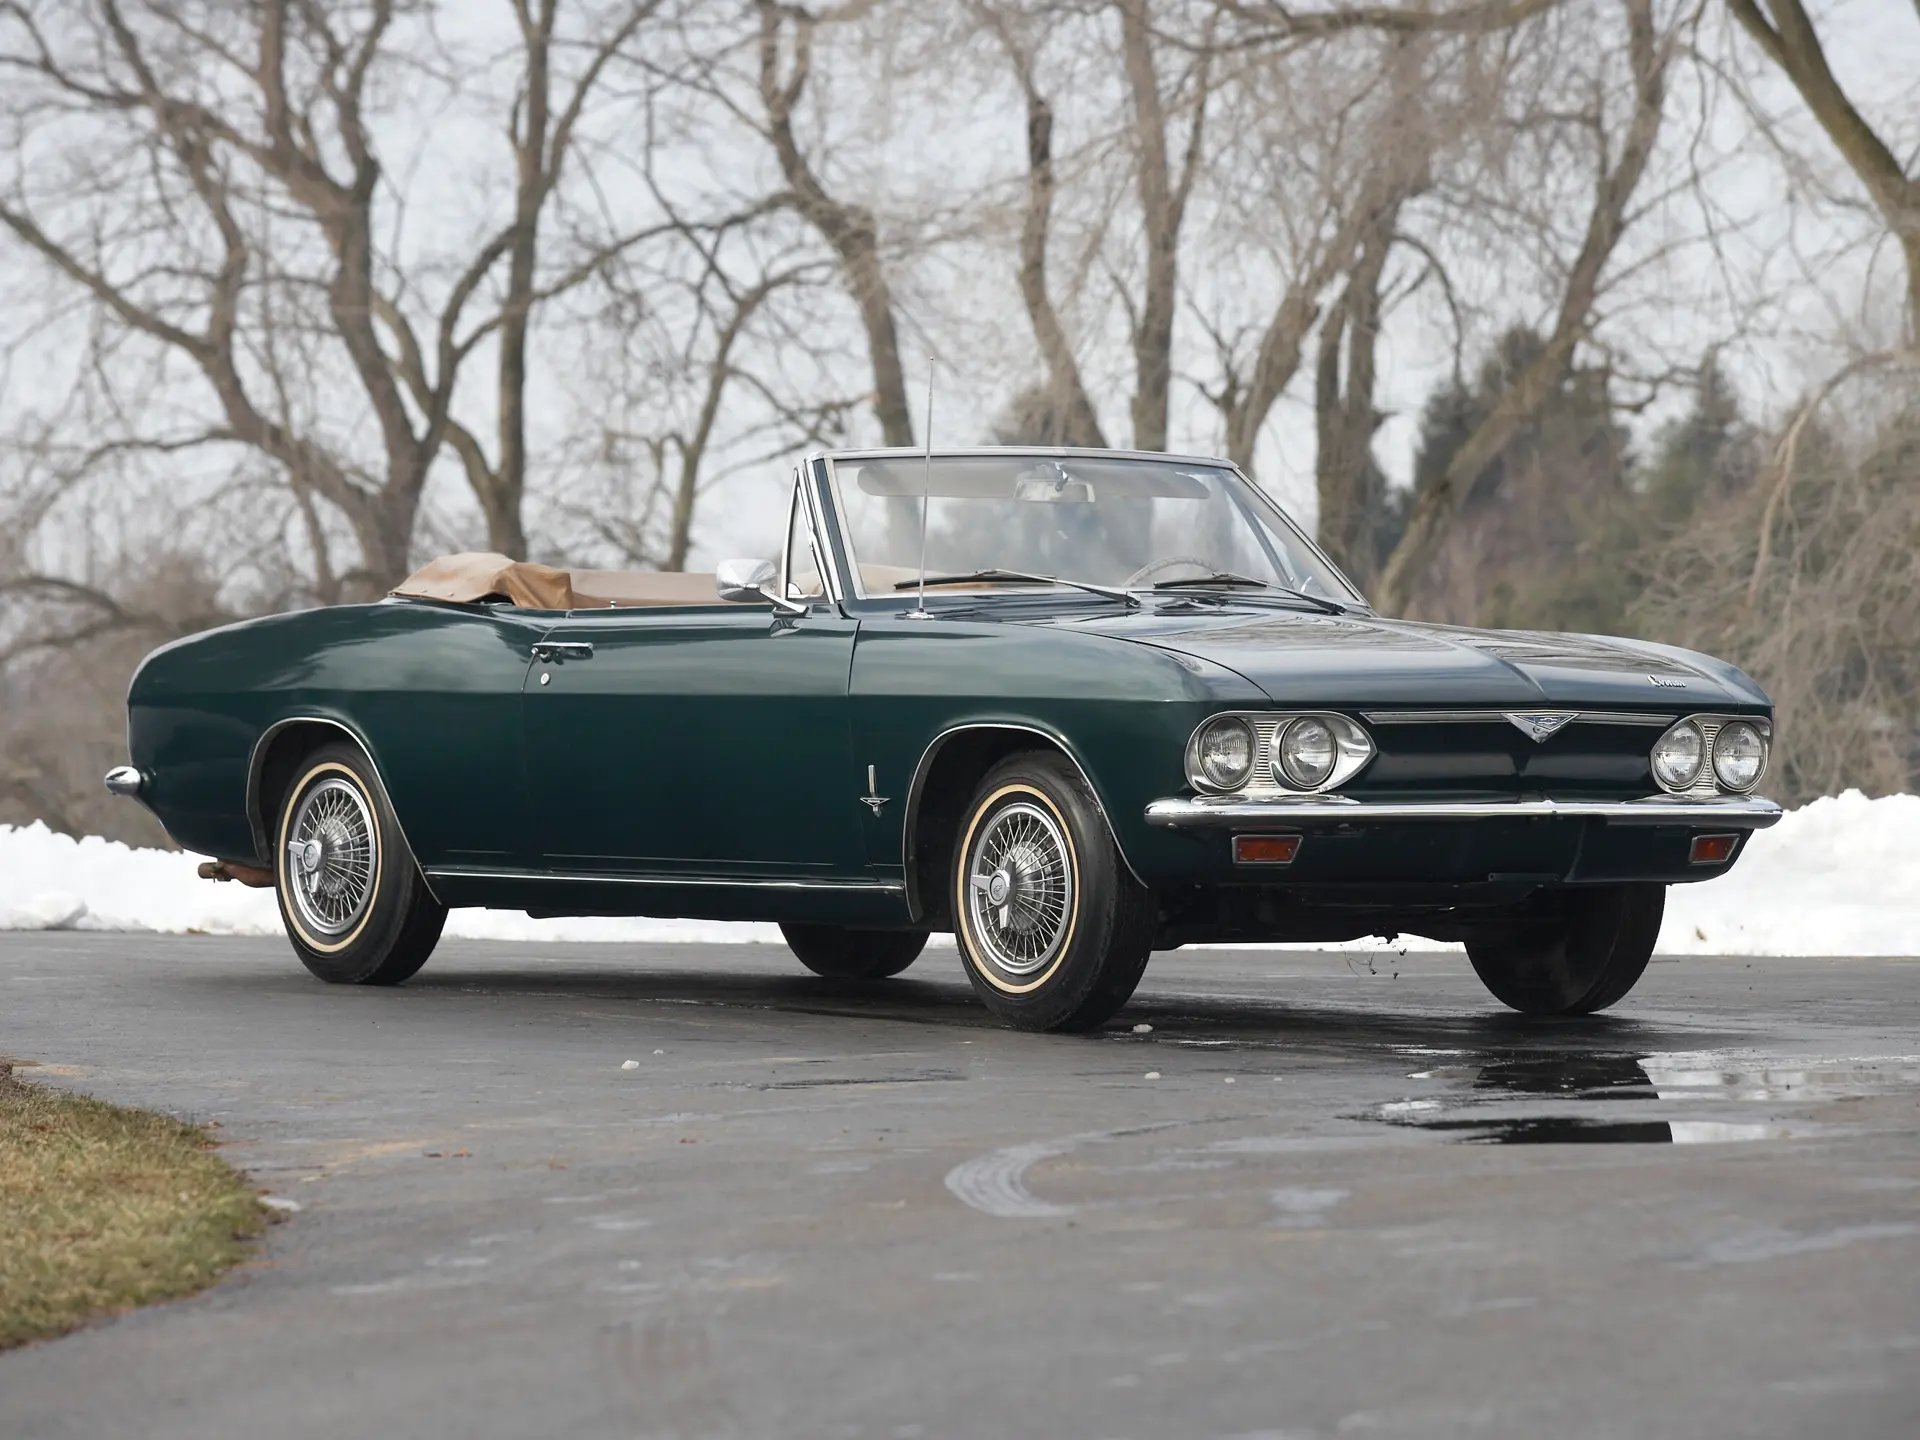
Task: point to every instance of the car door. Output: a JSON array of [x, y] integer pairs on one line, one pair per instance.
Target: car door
[[706, 740]]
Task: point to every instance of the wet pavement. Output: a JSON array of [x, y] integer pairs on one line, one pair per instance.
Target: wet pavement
[[1319, 1196]]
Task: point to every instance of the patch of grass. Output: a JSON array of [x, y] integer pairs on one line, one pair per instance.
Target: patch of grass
[[102, 1209]]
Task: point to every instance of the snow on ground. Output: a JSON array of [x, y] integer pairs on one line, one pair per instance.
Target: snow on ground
[[1840, 876]]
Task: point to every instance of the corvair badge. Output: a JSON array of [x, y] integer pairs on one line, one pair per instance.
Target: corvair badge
[[1537, 725], [1668, 684]]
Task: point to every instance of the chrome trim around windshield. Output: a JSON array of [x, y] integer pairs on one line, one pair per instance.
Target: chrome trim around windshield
[[855, 589], [1735, 812]]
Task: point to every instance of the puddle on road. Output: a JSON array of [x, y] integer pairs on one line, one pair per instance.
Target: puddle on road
[[1597, 1082], [1582, 1130]]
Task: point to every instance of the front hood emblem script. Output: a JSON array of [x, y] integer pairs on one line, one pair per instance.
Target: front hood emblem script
[[1537, 725]]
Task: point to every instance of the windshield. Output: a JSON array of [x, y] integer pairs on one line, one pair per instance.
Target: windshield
[[1101, 520]]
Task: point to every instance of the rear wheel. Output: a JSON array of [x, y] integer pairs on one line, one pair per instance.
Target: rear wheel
[[843, 954], [356, 907], [1053, 928], [1584, 960]]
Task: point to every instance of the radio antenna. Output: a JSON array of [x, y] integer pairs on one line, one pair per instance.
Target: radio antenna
[[926, 490]]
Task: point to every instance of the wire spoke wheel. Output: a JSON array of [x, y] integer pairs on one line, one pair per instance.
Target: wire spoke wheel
[[1020, 888], [332, 857]]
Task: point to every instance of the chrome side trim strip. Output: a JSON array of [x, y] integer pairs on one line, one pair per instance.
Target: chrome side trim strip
[[595, 877], [1490, 717], [1737, 812]]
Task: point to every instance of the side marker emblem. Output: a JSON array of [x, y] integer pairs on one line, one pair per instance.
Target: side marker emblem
[[872, 799], [1537, 725]]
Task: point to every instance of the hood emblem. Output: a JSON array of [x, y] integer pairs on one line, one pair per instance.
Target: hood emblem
[[1537, 725], [1668, 684]]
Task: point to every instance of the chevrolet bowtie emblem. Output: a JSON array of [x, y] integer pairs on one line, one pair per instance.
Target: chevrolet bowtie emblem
[[1537, 725]]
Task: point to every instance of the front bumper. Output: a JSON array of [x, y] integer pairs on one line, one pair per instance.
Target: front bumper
[[1729, 812]]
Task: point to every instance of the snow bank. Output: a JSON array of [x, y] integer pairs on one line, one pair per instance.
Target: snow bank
[[54, 882], [1840, 876]]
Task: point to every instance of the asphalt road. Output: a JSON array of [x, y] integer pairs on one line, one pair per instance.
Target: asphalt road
[[1354, 1201]]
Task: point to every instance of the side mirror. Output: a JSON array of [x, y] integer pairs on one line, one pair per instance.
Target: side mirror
[[743, 582]]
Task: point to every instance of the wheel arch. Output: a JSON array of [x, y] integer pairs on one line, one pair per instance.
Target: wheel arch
[[276, 758], [949, 770]]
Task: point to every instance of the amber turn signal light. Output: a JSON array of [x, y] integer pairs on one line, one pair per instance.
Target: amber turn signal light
[[1713, 849], [1265, 849]]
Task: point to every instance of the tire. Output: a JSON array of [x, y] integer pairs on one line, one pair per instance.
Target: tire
[[842, 954], [1053, 929], [356, 907], [1584, 961]]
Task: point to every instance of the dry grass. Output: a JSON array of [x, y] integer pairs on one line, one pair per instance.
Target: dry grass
[[102, 1209]]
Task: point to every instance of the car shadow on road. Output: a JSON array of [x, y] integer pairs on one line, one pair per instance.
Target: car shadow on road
[[1426, 1023]]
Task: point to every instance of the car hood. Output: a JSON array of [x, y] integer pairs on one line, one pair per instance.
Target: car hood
[[1357, 659]]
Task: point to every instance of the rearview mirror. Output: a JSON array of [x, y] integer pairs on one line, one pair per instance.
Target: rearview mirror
[[741, 582]]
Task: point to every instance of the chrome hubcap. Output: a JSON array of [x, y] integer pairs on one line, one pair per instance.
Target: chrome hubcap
[[1020, 888], [331, 857]]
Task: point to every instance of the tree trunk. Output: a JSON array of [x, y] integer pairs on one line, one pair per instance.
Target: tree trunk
[[1066, 393], [1434, 508], [849, 229], [1793, 45], [1344, 417]]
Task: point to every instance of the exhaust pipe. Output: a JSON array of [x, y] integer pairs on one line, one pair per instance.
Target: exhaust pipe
[[256, 876]]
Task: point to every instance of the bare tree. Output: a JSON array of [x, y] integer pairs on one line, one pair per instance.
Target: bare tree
[[1065, 397], [237, 137], [1345, 417], [849, 228], [1787, 36], [1167, 164], [1617, 178]]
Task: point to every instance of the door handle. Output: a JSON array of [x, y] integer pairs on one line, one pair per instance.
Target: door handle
[[562, 650]]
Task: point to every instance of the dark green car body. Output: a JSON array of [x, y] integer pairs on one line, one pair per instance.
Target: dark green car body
[[742, 761]]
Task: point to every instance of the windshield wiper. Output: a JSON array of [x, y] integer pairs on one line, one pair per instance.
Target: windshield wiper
[[1019, 577], [1226, 579]]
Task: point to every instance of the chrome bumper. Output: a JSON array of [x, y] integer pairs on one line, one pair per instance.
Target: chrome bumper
[[1729, 812]]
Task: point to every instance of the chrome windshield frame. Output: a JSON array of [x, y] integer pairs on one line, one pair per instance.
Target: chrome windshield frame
[[1274, 513]]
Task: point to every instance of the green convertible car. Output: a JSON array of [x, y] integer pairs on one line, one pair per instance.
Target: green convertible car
[[1073, 706]]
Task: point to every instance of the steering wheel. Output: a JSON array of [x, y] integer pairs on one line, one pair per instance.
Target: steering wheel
[[1154, 567]]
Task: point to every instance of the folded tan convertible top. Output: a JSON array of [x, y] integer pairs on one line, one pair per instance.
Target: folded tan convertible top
[[481, 575]]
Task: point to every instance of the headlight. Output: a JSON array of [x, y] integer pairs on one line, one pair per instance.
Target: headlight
[[1223, 754], [1739, 755], [1307, 753], [1678, 755]]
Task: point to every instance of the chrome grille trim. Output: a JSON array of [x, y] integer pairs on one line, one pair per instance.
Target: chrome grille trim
[[1498, 717]]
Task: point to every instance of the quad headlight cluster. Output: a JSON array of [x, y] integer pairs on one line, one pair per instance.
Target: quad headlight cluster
[[1703, 753], [1298, 754]]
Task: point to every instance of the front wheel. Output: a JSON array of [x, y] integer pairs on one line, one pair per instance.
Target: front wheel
[[843, 954], [356, 907], [1584, 960], [1052, 927]]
